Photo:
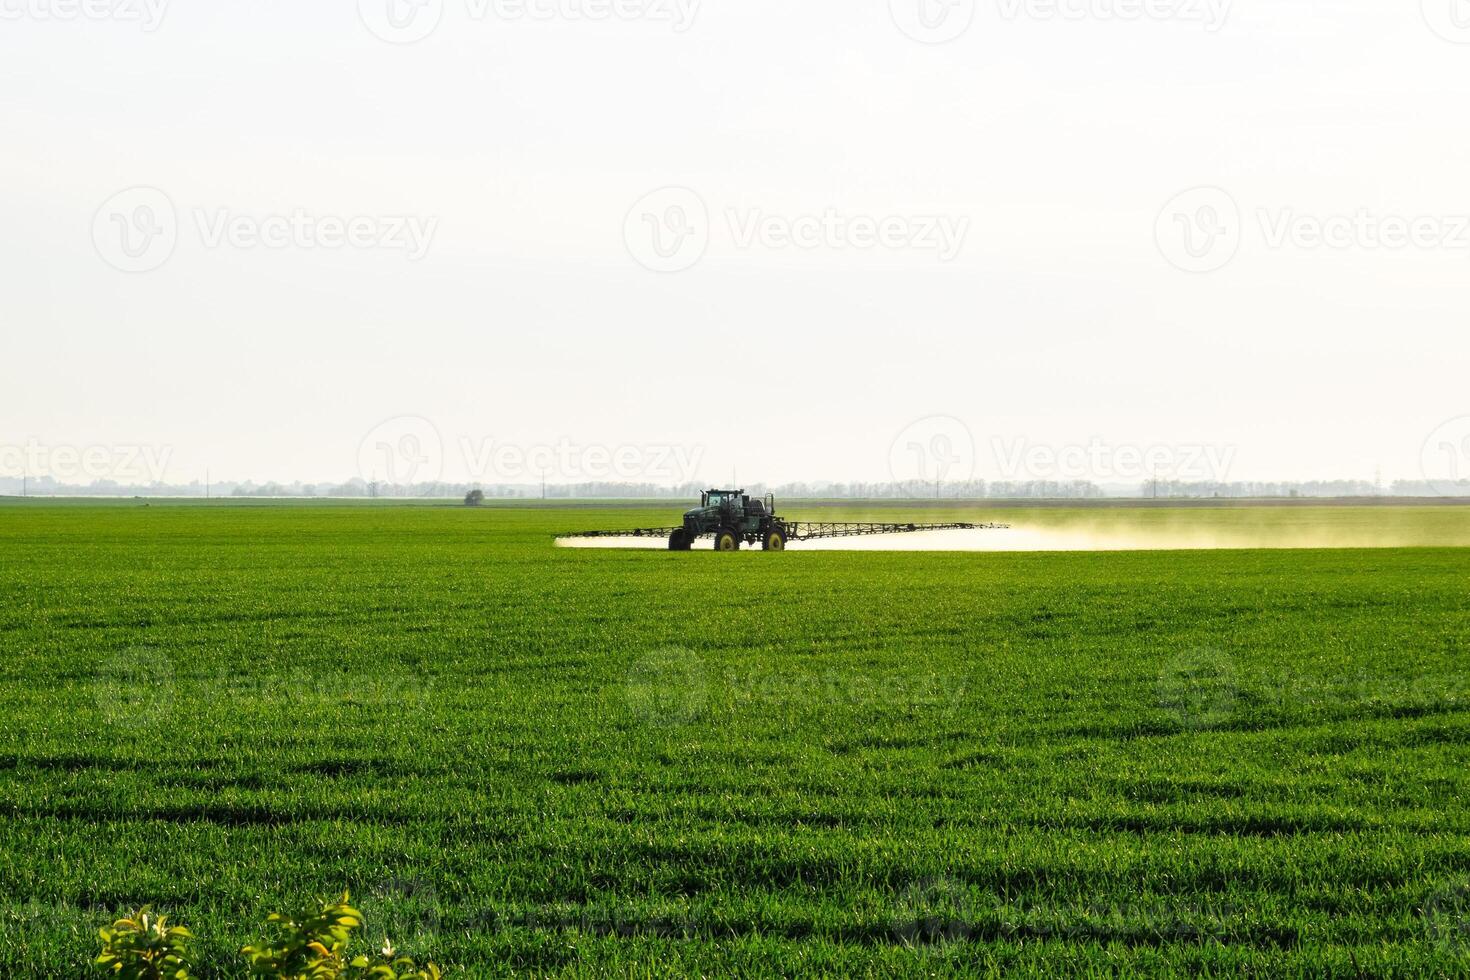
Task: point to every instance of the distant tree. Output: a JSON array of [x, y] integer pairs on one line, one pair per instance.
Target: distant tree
[[474, 498]]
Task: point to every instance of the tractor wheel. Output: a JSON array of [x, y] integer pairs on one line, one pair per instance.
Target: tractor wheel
[[679, 540], [726, 540], [776, 539]]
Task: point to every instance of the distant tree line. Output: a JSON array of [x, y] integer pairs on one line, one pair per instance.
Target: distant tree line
[[1310, 488], [968, 490]]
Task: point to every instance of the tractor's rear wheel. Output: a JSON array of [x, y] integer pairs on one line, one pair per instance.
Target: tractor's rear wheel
[[776, 539], [680, 540], [726, 540]]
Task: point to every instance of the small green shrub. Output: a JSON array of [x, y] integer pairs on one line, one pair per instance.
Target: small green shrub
[[309, 945], [312, 945], [145, 947]]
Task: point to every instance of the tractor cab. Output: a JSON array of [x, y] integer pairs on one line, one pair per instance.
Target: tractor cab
[[722, 499], [716, 508]]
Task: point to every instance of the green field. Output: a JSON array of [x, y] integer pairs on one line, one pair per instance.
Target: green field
[[526, 759]]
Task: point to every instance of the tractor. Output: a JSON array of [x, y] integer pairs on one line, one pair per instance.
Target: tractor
[[733, 517]]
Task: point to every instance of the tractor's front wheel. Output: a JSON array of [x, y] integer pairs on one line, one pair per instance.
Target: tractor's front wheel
[[726, 540], [680, 540], [776, 539]]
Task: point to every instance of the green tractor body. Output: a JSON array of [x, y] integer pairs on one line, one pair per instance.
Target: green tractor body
[[733, 518]]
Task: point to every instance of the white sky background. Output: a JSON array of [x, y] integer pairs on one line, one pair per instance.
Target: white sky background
[[530, 323]]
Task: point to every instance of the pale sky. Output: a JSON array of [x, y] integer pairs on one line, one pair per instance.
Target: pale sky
[[990, 235]]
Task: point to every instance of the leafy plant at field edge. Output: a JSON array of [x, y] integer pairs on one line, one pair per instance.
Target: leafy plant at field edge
[[143, 946], [312, 945]]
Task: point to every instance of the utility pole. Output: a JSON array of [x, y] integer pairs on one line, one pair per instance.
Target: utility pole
[[206, 483]]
